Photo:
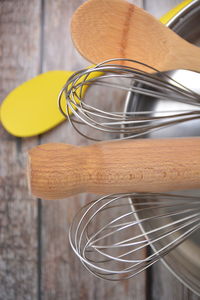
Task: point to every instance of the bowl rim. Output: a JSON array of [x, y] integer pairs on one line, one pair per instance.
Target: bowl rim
[[171, 22]]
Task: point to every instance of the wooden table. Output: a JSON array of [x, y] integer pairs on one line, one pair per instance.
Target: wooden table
[[36, 260]]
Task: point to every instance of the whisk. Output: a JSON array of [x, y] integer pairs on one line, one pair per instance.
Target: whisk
[[112, 235], [112, 74], [116, 247]]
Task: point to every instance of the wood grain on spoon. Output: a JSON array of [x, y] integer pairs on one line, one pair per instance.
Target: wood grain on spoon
[[58, 170], [104, 29]]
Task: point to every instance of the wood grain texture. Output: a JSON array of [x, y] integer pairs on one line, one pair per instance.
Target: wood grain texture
[[51, 271], [19, 61], [63, 276], [135, 33], [58, 170]]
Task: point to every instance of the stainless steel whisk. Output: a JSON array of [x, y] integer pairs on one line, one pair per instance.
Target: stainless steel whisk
[[111, 235], [111, 74]]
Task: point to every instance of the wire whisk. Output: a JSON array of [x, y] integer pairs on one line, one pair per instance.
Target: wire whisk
[[112, 235], [112, 74]]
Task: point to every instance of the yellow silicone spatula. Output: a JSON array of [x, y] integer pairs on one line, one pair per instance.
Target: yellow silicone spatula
[[31, 108]]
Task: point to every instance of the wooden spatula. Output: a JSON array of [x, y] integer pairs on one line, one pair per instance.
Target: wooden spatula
[[104, 29]]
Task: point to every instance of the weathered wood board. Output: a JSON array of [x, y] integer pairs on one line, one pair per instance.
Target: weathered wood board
[[36, 260]]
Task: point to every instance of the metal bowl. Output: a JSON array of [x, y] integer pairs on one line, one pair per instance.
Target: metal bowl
[[184, 261]]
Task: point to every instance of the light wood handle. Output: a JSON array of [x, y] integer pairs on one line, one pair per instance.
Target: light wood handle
[[57, 171]]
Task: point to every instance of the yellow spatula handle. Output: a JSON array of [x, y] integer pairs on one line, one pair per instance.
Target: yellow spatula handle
[[58, 170]]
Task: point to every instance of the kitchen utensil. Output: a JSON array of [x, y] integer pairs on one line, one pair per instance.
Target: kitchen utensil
[[129, 79], [58, 170], [106, 234], [31, 108], [105, 29], [173, 14], [184, 261]]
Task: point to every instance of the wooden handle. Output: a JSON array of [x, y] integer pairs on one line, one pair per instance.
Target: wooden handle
[[57, 171]]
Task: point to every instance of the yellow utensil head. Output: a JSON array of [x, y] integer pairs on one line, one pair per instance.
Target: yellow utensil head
[[31, 108]]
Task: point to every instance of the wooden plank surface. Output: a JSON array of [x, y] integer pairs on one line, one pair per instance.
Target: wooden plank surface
[[63, 276], [19, 61], [36, 260]]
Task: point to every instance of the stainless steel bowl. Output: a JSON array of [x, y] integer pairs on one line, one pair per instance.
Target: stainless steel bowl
[[184, 261]]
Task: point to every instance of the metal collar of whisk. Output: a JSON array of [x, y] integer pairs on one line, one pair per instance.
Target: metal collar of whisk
[[140, 79]]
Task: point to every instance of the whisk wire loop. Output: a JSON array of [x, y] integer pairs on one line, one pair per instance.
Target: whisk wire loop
[[111, 235], [116, 74]]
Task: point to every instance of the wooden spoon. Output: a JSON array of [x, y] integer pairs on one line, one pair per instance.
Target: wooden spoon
[[104, 29], [57, 171]]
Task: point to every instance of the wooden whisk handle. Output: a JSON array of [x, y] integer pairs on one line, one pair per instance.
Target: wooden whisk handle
[[57, 171]]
